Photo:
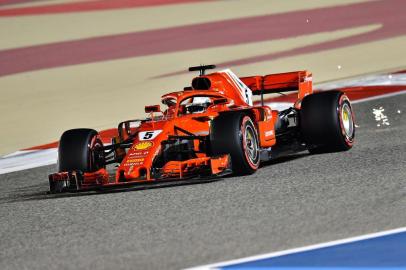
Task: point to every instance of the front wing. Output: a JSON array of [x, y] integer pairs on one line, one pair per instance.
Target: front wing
[[197, 168]]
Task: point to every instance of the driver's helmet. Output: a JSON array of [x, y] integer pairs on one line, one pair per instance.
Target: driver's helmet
[[201, 100], [198, 105]]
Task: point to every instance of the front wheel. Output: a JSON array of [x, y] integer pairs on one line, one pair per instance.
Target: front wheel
[[235, 134], [327, 122], [80, 150]]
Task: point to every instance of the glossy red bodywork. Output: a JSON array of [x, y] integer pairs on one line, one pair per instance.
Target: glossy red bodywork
[[225, 94]]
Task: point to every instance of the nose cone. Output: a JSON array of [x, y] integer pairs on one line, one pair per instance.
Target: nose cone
[[146, 145], [138, 161]]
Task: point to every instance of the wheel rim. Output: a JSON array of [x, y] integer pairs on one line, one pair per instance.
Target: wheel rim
[[251, 144], [95, 155], [347, 121]]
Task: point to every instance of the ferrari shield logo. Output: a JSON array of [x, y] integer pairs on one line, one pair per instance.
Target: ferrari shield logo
[[142, 145]]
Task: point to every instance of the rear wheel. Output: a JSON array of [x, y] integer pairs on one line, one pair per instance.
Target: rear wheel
[[327, 122], [80, 150], [235, 134]]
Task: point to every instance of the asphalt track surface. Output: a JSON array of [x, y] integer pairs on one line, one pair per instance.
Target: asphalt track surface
[[301, 200]]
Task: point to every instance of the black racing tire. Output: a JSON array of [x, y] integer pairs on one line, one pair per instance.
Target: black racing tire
[[235, 134], [327, 122], [78, 151]]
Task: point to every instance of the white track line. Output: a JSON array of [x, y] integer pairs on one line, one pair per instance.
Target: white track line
[[23, 160], [297, 250]]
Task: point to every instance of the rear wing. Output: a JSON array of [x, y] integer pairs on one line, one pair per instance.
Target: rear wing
[[300, 81]]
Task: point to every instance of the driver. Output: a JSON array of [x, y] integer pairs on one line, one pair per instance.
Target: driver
[[198, 105]]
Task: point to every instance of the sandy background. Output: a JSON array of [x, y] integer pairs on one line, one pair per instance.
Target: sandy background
[[39, 101]]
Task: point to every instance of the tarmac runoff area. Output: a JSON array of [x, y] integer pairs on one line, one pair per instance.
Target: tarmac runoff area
[[293, 202]]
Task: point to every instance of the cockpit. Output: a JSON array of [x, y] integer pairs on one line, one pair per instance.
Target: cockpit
[[196, 104], [183, 103]]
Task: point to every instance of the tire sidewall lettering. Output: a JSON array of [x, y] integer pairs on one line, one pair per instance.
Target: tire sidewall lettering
[[344, 100], [245, 121]]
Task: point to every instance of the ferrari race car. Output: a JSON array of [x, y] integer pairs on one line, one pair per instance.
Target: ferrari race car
[[210, 129]]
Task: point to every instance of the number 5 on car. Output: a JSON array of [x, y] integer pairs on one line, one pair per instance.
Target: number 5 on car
[[148, 135]]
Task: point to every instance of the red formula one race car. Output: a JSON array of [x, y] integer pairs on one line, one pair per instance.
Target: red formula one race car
[[207, 130]]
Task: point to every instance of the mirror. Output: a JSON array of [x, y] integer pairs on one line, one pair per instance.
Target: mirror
[[152, 108]]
